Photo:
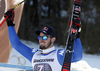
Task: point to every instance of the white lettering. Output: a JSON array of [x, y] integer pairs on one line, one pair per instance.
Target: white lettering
[[61, 52], [34, 50]]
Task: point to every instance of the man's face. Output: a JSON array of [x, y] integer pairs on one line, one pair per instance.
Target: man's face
[[44, 44]]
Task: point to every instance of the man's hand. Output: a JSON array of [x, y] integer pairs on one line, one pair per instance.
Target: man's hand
[[76, 26], [10, 15]]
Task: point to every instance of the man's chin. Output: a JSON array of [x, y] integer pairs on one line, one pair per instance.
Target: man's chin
[[42, 47]]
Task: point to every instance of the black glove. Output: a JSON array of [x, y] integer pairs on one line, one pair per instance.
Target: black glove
[[10, 15], [77, 25]]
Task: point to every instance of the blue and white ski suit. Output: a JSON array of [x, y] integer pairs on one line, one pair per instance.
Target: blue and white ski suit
[[44, 62]]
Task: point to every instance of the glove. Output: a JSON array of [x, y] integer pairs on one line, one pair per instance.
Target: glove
[[10, 15], [77, 26]]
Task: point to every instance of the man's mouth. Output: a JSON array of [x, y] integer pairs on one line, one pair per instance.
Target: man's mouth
[[42, 43]]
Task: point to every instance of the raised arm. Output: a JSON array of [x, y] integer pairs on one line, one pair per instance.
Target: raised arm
[[15, 42], [77, 54]]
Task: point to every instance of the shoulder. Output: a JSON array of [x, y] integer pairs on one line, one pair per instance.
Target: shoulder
[[60, 52], [34, 50], [60, 55]]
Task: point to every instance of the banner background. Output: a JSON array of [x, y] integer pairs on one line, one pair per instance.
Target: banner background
[[5, 46]]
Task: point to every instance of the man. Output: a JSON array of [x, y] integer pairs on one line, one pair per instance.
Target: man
[[46, 58]]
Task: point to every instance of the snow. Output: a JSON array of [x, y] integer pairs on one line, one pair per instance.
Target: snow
[[93, 60], [88, 63]]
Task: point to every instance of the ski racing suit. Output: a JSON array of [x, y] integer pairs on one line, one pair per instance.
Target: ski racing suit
[[44, 62]]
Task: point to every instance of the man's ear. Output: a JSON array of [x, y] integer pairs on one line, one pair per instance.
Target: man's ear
[[53, 39]]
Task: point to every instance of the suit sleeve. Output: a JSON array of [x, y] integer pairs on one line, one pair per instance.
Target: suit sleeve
[[16, 44], [77, 54]]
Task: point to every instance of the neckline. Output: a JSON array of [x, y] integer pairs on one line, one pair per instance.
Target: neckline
[[46, 51]]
